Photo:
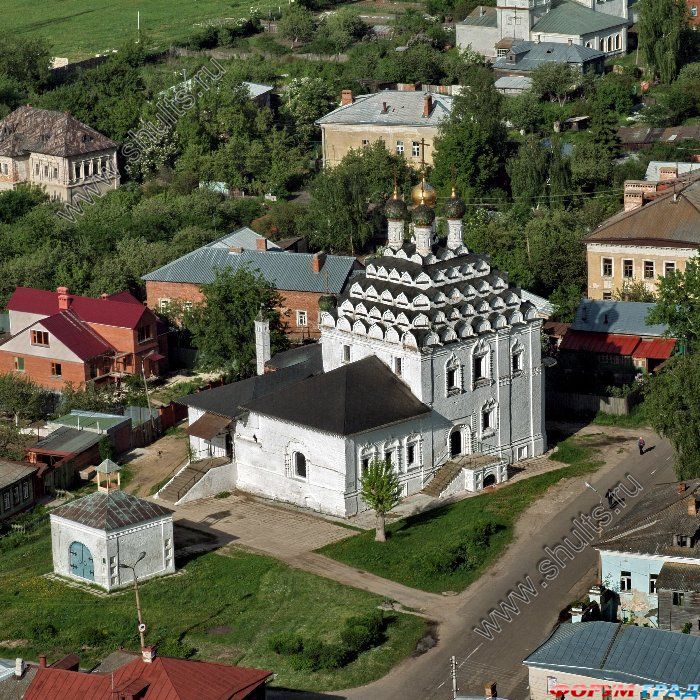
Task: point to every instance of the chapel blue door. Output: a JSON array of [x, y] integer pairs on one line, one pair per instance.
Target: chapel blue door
[[81, 561]]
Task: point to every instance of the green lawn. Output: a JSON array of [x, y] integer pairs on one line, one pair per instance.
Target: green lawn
[[80, 28], [414, 553], [224, 608]]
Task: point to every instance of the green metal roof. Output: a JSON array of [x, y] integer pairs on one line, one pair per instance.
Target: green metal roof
[[90, 420], [576, 20]]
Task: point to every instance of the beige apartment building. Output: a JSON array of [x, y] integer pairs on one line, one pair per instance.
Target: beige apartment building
[[406, 120], [646, 241], [56, 152]]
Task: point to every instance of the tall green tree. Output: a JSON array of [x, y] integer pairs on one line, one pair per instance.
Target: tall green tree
[[223, 325], [472, 144], [297, 24], [528, 172], [678, 304], [21, 398], [556, 81], [663, 30], [380, 490], [25, 60], [672, 407]]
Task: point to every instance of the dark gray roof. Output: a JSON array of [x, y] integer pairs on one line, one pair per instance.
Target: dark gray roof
[[574, 19], [618, 652], [679, 577], [651, 525], [68, 440], [310, 354], [227, 400], [621, 317], [287, 271], [354, 398], [110, 511], [11, 472], [531, 55], [481, 16], [402, 108]]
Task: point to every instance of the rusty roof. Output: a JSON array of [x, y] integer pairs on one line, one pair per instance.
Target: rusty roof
[[672, 219], [32, 130], [110, 511]]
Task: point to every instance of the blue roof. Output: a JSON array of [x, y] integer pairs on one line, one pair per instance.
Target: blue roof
[[287, 271], [621, 317], [243, 237], [623, 653], [531, 55]]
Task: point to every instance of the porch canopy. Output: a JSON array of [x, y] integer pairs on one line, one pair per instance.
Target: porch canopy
[[208, 425]]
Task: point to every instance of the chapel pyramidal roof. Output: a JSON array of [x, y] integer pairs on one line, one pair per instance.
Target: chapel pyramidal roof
[[429, 296]]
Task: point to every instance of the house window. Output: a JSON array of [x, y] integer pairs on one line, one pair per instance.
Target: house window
[[397, 365], [164, 304], [479, 367], [627, 268], [19, 364], [669, 267], [517, 363], [55, 173], [390, 457], [46, 171], [618, 42], [6, 500], [302, 319], [15, 494], [652, 583], [25, 490], [694, 11], [415, 149], [364, 465], [4, 169], [522, 452], [501, 52], [452, 378], [488, 418], [36, 169], [607, 267], [625, 581], [648, 269], [346, 353], [683, 541], [144, 333], [299, 465], [399, 147], [410, 455], [678, 598], [40, 338], [607, 295], [56, 369]]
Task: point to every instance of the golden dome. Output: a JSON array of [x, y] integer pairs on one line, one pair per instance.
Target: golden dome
[[424, 193]]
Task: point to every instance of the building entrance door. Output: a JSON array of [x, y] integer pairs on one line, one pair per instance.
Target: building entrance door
[[81, 561]]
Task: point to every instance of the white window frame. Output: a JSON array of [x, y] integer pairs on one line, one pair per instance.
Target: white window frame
[[347, 354], [653, 584], [453, 365], [625, 276], [653, 269], [625, 581], [399, 147], [164, 304], [488, 409], [295, 473], [302, 318], [668, 263], [612, 268], [398, 366], [415, 149], [482, 357]]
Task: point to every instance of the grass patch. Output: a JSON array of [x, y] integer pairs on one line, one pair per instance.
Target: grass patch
[[228, 608], [448, 548], [637, 418]]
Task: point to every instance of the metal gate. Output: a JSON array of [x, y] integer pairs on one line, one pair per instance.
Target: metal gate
[[81, 561]]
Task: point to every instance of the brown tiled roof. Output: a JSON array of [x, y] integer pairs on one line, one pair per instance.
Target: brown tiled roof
[[651, 525], [679, 577], [110, 511], [672, 219], [31, 130]]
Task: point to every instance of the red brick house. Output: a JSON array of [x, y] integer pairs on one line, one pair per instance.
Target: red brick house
[[57, 338], [301, 279]]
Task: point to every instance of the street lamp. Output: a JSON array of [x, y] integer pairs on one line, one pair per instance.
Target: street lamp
[[132, 567], [593, 488]]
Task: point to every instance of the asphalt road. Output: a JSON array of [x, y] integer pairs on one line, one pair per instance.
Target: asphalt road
[[480, 660]]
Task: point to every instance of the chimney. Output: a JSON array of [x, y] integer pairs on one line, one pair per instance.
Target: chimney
[[262, 342], [682, 487], [104, 295], [427, 105], [42, 660], [64, 298], [317, 261], [346, 98], [385, 109], [261, 243], [571, 41], [20, 668], [692, 506], [482, 12], [148, 654], [490, 690]]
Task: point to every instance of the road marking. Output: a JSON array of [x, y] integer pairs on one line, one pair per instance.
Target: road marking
[[652, 472], [471, 653]]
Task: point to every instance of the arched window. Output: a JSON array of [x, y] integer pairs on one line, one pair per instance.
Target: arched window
[[517, 358], [618, 42], [488, 417], [299, 462], [480, 363], [453, 376]]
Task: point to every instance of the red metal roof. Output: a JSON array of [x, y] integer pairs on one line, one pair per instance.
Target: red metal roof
[[656, 349], [165, 679], [76, 335], [606, 343], [112, 311]]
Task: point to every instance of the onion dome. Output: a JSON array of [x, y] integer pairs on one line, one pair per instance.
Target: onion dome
[[424, 193], [455, 207], [423, 215], [395, 208]]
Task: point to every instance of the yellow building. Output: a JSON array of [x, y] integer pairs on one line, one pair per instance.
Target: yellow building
[[646, 242], [407, 121]]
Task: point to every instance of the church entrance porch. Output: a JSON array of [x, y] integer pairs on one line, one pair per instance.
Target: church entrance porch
[[456, 443]]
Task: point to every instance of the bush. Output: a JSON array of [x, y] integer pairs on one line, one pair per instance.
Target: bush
[[286, 643], [363, 632], [468, 553]]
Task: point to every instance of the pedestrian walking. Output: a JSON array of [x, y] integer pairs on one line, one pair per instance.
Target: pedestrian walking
[[641, 444]]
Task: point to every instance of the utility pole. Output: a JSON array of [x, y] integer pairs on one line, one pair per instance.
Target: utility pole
[[141, 627], [454, 678]]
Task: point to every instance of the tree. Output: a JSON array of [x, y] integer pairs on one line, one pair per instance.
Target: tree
[[663, 29], [222, 326], [342, 29], [380, 490], [678, 304], [21, 398], [672, 407], [12, 442], [297, 24], [527, 171], [524, 112], [306, 100], [634, 290], [472, 143], [555, 80], [27, 61]]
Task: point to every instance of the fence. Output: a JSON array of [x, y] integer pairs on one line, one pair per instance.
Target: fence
[[565, 402]]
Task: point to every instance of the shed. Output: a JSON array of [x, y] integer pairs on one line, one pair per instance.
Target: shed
[[95, 537]]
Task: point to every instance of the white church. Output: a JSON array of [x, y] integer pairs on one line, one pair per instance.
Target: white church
[[431, 359]]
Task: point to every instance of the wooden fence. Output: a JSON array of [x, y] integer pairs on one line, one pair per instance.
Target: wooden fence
[[565, 402]]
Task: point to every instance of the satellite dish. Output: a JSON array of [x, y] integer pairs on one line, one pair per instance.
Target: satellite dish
[[142, 627]]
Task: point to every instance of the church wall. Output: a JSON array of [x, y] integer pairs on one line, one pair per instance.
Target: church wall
[[264, 449], [481, 39]]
